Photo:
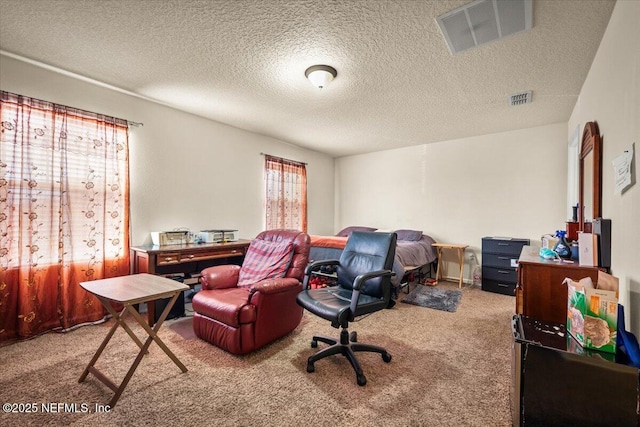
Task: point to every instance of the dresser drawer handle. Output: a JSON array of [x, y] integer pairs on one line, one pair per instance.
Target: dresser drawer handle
[[502, 285], [503, 244], [503, 272], [503, 257]]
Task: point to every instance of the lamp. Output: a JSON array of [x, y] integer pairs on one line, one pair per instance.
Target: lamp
[[320, 75]]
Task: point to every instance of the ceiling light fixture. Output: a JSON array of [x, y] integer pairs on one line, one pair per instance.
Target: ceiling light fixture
[[320, 75]]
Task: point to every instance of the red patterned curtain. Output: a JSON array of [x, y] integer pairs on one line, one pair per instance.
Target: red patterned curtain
[[64, 213], [286, 194]]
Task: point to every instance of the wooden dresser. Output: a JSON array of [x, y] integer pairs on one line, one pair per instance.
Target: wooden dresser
[[540, 293]]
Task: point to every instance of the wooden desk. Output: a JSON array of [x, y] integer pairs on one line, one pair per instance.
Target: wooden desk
[[460, 250], [130, 290], [186, 259], [168, 259]]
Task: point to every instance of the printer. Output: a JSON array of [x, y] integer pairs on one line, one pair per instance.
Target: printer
[[218, 236], [162, 238]]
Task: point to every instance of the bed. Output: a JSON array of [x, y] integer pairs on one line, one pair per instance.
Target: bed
[[413, 250]]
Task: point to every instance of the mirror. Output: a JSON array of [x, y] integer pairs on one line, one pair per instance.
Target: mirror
[[590, 191], [587, 198], [573, 176]]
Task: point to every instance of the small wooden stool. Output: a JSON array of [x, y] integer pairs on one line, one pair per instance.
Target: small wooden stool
[[460, 248]]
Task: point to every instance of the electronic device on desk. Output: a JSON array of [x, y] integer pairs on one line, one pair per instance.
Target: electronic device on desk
[[602, 227], [194, 283], [178, 308], [162, 238], [218, 236]]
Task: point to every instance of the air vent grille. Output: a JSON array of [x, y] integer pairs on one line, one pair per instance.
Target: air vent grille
[[520, 98], [483, 21]]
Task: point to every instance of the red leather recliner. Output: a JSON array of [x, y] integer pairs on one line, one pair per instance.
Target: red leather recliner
[[246, 318]]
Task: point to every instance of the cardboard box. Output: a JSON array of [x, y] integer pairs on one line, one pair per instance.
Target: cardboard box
[[588, 249], [574, 347], [592, 312]]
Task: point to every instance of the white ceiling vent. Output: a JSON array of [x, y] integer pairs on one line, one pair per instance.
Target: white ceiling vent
[[483, 21], [520, 98]]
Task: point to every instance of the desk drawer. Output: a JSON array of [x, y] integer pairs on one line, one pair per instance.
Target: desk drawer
[[205, 255], [499, 260], [506, 275], [168, 258], [498, 287], [504, 246]]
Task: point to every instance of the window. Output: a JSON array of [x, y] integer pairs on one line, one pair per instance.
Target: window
[[64, 212], [286, 194]]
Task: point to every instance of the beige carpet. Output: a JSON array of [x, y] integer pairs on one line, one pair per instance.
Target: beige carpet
[[448, 369]]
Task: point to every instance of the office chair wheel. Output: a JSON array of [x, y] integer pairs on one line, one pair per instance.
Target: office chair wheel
[[310, 367], [353, 336], [314, 343], [362, 380], [386, 357]]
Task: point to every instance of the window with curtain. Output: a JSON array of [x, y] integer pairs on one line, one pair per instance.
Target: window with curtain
[[64, 213], [286, 194]]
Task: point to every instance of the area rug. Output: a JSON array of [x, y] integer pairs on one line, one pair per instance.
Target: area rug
[[183, 327], [466, 388], [436, 298]]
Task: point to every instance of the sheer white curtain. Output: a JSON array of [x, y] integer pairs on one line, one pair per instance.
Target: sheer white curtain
[[286, 194], [64, 213]]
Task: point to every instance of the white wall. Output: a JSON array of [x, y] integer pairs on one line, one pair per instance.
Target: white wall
[[186, 171], [505, 184], [611, 97]]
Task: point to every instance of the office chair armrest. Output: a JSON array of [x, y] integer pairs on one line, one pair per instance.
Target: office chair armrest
[[273, 286], [357, 283], [317, 264]]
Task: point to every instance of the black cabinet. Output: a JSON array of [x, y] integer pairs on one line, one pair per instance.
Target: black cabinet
[[499, 262], [557, 382]]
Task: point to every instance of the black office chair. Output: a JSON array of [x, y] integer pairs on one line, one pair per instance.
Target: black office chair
[[363, 287]]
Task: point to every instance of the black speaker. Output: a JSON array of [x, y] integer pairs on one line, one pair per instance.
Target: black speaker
[[178, 308], [602, 227], [176, 311]]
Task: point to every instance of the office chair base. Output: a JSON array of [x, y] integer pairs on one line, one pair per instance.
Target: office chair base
[[347, 346]]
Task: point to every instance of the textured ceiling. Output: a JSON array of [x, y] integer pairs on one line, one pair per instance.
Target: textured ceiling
[[243, 62]]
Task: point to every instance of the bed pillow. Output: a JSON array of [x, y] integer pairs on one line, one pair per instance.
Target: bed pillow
[[265, 260], [345, 232], [411, 235]]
